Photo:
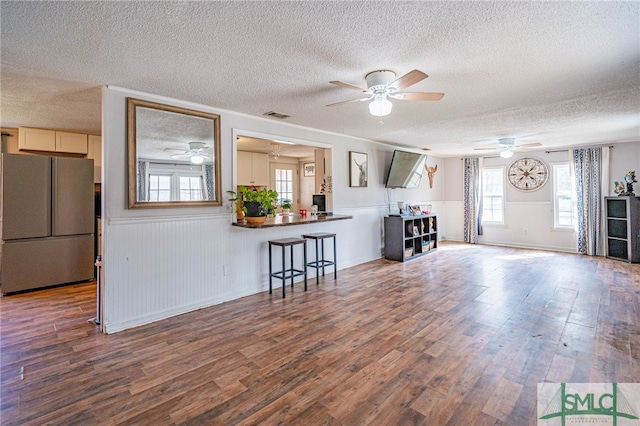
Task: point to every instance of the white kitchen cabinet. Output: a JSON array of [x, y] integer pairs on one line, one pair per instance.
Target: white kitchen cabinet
[[253, 169], [36, 139], [71, 142], [94, 152], [31, 139]]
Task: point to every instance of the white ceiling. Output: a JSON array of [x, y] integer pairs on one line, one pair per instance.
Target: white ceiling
[[559, 73]]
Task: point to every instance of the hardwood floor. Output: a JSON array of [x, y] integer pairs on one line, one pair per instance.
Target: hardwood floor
[[461, 336]]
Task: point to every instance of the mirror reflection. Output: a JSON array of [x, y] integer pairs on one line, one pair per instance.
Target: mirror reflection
[[173, 156]]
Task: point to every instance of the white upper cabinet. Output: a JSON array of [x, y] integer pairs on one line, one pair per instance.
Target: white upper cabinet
[[36, 139], [71, 142], [49, 140], [253, 169]]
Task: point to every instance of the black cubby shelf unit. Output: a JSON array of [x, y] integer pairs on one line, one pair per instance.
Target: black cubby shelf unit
[[622, 228], [408, 237]]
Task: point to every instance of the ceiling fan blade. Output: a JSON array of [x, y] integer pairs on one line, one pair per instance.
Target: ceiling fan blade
[[529, 145], [348, 86], [409, 79], [485, 149], [418, 96], [349, 101], [526, 147]]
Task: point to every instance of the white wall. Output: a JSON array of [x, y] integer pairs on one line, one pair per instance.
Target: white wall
[[163, 262], [624, 157], [528, 215]]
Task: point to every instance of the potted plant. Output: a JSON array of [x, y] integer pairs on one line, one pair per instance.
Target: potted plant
[[286, 206], [256, 203]]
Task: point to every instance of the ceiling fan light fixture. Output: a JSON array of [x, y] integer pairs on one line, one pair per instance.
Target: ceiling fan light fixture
[[506, 153], [197, 159], [380, 106]]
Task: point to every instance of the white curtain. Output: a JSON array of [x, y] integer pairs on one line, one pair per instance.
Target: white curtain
[[472, 199], [590, 167]]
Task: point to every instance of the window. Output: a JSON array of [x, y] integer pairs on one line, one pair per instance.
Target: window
[[159, 187], [284, 184], [493, 195], [563, 204], [190, 188], [175, 182]]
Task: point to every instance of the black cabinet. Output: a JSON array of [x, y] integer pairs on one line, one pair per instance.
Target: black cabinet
[[623, 228], [408, 237]]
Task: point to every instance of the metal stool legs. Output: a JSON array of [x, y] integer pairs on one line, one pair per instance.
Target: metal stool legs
[[320, 261], [285, 272]]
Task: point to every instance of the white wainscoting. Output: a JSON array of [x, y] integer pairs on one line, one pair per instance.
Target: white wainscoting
[[161, 267]]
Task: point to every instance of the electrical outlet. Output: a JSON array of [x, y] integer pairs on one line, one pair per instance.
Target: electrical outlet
[[225, 269]]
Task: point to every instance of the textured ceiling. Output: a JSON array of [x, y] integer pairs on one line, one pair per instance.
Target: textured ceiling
[[558, 73]]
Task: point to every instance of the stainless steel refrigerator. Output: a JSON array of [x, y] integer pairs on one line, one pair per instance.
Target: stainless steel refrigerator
[[47, 221]]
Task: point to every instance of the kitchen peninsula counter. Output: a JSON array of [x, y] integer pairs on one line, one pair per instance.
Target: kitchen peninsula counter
[[291, 219]]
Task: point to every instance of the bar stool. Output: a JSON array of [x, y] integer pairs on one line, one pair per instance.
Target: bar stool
[[291, 272], [321, 262]]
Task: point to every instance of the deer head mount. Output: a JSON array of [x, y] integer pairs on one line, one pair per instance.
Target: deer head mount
[[431, 171]]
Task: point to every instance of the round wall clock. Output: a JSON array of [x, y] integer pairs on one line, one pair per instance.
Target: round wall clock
[[528, 174]]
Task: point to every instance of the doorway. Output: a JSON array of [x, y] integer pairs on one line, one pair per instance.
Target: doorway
[[284, 178]]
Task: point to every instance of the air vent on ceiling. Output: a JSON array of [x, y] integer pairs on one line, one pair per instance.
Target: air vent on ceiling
[[276, 115]]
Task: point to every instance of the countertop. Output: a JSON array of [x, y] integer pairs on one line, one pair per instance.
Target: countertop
[[291, 219]]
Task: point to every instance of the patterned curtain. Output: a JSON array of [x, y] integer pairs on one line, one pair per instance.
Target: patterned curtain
[[142, 181], [472, 201], [591, 169], [208, 181]]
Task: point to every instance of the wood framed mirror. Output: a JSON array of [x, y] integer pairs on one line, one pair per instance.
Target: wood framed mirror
[[173, 156]]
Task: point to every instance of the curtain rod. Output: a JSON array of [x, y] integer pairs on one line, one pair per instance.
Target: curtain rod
[[565, 150], [546, 152]]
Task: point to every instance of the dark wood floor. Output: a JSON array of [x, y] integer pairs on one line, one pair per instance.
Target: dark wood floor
[[461, 336]]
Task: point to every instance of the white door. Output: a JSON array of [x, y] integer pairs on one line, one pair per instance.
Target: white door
[[284, 179]]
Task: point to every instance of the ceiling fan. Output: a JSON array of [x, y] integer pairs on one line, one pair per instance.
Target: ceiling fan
[[195, 153], [382, 85], [507, 147]]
